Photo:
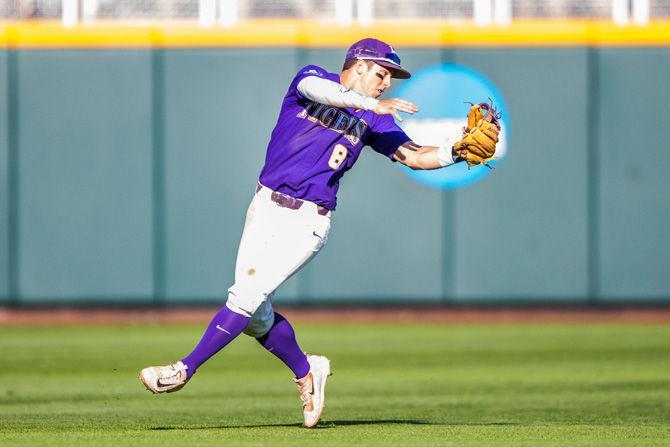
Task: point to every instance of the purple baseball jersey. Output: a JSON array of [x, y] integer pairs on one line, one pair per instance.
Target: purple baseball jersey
[[313, 144]]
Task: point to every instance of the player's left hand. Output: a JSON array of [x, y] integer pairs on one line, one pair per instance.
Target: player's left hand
[[393, 106]]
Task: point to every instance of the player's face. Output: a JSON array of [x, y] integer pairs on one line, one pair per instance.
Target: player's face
[[375, 81]]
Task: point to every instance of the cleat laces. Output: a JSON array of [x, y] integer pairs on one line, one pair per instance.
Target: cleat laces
[[306, 389], [171, 374]]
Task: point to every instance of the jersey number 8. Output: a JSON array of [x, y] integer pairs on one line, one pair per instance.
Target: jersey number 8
[[338, 156]]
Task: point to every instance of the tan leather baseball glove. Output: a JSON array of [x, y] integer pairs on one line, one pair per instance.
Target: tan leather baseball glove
[[478, 143]]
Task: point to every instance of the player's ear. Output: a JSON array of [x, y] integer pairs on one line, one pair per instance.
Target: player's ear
[[361, 67]]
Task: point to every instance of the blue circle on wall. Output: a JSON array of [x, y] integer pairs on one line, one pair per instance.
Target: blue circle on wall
[[441, 93]]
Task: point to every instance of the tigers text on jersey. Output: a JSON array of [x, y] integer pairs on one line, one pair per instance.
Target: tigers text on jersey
[[313, 145]]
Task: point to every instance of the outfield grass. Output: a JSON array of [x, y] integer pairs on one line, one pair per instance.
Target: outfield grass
[[556, 385]]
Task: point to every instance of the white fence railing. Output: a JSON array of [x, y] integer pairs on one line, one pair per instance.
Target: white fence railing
[[344, 12]]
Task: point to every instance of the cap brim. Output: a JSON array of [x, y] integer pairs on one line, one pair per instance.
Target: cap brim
[[396, 70]]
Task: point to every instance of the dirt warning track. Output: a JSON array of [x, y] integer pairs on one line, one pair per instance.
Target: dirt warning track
[[433, 315]]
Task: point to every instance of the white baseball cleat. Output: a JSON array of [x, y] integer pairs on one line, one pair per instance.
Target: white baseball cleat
[[164, 379], [312, 389]]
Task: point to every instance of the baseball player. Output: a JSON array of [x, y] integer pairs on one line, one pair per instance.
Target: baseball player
[[325, 121]]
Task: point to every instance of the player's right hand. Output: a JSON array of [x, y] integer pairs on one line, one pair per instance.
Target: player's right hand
[[393, 106]]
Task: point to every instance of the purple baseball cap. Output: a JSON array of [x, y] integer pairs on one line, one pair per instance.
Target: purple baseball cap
[[380, 53]]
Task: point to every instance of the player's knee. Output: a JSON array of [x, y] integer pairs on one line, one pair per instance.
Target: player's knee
[[245, 302], [261, 321]]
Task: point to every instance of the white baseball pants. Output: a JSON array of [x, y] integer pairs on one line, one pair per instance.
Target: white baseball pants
[[277, 241]]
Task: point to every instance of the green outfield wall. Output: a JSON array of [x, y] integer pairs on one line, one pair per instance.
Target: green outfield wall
[[126, 174]]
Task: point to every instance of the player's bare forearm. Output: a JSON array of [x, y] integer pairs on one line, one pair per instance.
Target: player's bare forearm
[[426, 158], [419, 157]]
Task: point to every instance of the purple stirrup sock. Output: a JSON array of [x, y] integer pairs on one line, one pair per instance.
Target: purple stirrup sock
[[224, 327], [280, 340]]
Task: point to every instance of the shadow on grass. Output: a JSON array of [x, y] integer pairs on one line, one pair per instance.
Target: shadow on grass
[[334, 424], [327, 424]]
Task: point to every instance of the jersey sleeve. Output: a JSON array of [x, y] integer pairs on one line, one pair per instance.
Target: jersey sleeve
[[386, 136], [309, 70]]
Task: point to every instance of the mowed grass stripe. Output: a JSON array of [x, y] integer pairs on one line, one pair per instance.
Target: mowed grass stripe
[[500, 385]]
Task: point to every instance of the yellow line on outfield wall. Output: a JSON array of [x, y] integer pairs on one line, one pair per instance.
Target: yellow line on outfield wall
[[313, 33]]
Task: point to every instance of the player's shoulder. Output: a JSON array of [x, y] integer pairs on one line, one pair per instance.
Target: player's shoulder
[[312, 70], [315, 70]]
